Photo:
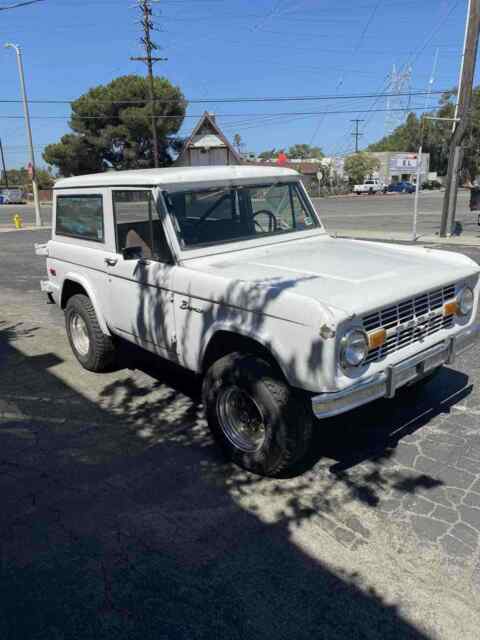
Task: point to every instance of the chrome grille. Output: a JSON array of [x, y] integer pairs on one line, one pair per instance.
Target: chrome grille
[[394, 316]]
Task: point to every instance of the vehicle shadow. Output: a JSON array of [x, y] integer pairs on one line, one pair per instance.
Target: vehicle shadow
[[377, 428], [345, 443], [119, 520]]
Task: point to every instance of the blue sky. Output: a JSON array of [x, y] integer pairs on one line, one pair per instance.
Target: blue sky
[[234, 49]]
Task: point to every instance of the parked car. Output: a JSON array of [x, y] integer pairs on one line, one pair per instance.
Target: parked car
[[401, 187], [369, 186], [12, 195], [431, 184], [229, 272]]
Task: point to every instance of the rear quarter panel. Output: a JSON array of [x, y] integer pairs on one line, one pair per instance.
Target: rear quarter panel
[[83, 261]]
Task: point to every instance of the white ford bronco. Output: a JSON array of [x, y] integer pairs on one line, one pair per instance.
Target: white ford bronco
[[228, 272]]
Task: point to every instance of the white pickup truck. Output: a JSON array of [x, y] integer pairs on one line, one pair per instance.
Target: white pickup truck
[[370, 187], [228, 272]]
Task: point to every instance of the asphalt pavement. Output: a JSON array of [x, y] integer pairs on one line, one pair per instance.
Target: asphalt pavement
[[121, 520], [379, 216], [392, 215]]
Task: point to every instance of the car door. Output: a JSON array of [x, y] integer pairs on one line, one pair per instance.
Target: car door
[[141, 273]]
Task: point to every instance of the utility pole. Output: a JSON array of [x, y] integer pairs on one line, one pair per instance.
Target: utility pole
[[420, 150], [149, 46], [356, 134], [38, 215], [3, 164], [462, 116]]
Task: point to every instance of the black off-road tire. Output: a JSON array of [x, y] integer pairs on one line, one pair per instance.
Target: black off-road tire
[[288, 417], [101, 351]]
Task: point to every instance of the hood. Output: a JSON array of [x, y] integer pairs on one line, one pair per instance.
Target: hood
[[349, 275]]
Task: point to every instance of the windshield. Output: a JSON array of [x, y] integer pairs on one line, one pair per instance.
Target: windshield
[[228, 214]]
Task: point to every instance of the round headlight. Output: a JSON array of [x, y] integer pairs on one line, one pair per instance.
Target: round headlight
[[465, 301], [353, 348]]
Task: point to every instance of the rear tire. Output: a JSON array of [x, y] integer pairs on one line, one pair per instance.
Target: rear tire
[[260, 422], [92, 348]]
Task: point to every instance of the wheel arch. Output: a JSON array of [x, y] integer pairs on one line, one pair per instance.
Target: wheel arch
[[74, 284], [223, 341]]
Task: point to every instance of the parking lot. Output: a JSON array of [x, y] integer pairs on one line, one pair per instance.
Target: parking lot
[[118, 511], [392, 215]]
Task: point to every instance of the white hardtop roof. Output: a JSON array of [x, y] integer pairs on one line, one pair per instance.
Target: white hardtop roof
[[177, 176]]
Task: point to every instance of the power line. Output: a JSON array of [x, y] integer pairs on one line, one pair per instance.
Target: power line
[[342, 75], [367, 26], [20, 4], [228, 115], [411, 61], [352, 96]]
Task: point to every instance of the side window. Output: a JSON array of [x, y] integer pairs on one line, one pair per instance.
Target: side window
[[80, 217], [137, 225]]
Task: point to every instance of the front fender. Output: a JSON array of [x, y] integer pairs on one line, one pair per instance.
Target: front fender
[[261, 338]]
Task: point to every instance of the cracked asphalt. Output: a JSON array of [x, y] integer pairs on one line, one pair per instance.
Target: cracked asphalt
[[121, 520]]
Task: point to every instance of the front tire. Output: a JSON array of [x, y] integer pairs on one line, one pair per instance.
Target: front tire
[[92, 348], [261, 423]]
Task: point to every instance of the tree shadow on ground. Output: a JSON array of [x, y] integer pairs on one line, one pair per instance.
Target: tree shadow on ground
[[119, 520]]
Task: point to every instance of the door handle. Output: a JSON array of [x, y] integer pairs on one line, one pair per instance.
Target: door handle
[[111, 261]]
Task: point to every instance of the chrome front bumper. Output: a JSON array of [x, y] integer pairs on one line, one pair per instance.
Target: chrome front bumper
[[386, 383]]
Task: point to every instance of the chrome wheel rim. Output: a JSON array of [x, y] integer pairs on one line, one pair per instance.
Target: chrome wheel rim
[[241, 419], [79, 333]]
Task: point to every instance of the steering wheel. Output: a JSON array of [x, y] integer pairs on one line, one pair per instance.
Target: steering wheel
[[272, 220]]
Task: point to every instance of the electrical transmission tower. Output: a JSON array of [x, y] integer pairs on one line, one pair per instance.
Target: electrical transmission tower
[[397, 105], [145, 7]]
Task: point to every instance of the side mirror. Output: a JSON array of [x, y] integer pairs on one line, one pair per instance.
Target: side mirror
[[132, 253]]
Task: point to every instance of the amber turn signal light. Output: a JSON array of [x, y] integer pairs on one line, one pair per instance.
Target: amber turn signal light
[[450, 308], [376, 338]]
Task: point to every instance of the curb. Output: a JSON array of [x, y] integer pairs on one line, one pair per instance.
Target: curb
[[29, 227]]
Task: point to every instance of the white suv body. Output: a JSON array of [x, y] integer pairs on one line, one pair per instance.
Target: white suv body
[[226, 270]]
